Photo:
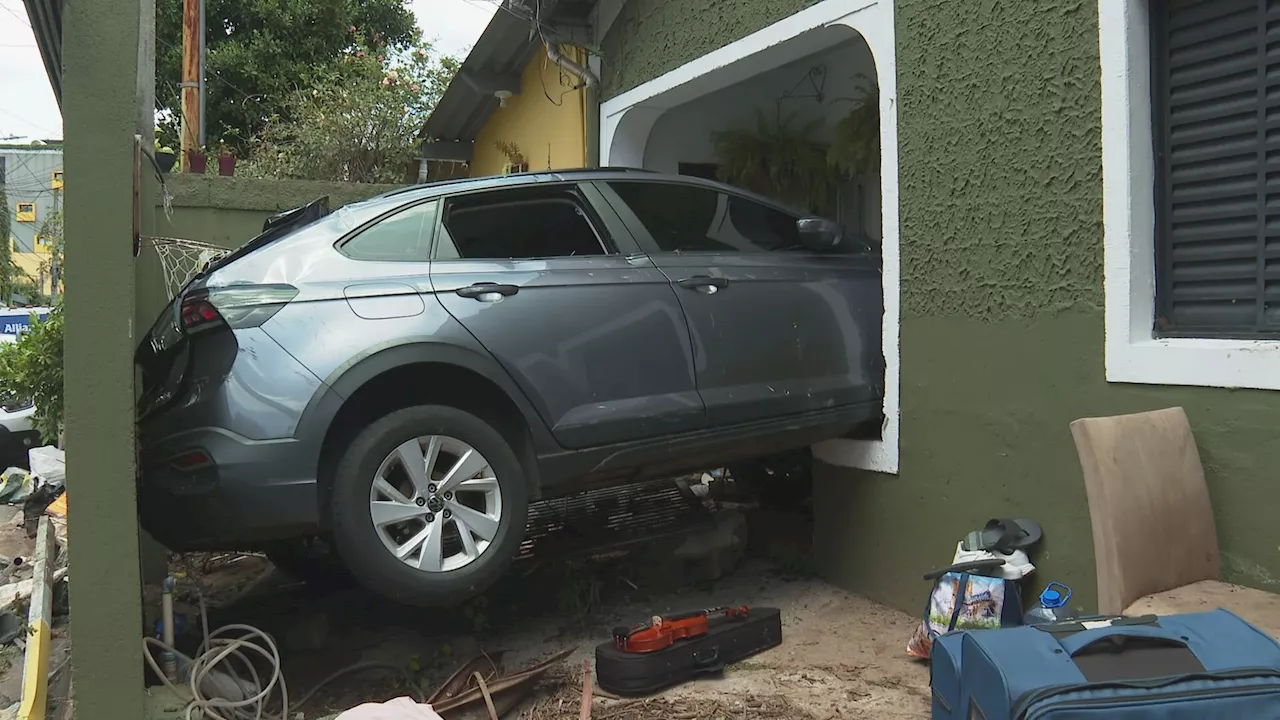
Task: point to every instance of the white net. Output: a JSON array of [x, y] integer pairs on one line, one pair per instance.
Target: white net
[[181, 259]]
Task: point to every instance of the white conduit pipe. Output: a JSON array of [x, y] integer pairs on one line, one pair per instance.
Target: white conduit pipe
[[223, 682]]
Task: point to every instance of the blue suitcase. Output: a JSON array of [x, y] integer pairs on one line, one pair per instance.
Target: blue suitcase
[[1176, 667]]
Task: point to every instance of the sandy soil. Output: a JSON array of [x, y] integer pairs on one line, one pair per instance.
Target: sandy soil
[[842, 656]]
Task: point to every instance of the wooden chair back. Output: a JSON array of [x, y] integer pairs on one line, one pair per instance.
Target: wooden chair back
[[1152, 520]]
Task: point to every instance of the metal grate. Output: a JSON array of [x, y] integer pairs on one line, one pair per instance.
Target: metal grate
[[1216, 88], [600, 520]]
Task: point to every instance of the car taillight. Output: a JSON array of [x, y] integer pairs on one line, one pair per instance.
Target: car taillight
[[238, 306], [199, 313], [190, 460]]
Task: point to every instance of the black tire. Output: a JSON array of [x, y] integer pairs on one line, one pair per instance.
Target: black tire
[[357, 541]]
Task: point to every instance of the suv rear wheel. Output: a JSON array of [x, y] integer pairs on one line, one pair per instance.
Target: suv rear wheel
[[429, 505]]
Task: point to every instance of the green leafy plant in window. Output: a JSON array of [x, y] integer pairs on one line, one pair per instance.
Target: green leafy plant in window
[[855, 147], [780, 160]]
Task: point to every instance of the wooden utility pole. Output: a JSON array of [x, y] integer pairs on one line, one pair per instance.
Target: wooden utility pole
[[191, 47]]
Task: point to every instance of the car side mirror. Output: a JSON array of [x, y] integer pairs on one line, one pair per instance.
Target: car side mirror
[[820, 234]]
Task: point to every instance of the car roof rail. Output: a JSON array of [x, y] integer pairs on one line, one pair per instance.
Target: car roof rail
[[420, 186], [567, 171]]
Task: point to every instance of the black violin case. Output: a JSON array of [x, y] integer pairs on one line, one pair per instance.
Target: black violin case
[[726, 641]]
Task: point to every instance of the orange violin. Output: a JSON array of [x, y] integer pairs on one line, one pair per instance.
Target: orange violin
[[662, 632]]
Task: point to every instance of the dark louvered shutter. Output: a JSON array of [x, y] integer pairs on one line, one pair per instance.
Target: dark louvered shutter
[[1216, 85]]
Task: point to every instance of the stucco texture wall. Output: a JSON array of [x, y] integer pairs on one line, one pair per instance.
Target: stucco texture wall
[[225, 211], [651, 37], [1002, 301], [1002, 314], [545, 121]]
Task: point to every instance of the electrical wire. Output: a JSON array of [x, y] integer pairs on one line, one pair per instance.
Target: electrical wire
[[538, 24], [14, 13], [15, 116], [231, 657], [503, 6]]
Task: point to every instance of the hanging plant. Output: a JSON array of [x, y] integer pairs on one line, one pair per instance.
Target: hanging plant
[[855, 147], [778, 160]]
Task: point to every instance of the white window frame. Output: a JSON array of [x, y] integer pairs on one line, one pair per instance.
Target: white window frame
[[627, 119], [1133, 353]]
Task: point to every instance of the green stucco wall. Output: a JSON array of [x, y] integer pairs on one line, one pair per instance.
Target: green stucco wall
[[225, 212], [651, 37], [1002, 307], [107, 101], [1002, 300]]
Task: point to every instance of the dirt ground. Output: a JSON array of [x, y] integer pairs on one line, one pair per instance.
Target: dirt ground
[[842, 656]]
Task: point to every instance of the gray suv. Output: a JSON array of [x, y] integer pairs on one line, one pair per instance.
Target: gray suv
[[404, 375]]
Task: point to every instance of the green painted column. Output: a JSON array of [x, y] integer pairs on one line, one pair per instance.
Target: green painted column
[[107, 99]]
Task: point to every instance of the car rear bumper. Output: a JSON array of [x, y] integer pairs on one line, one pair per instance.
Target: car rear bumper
[[15, 444], [247, 493]]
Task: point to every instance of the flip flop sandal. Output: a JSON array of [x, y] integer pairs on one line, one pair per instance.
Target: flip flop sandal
[[1005, 534], [972, 566]]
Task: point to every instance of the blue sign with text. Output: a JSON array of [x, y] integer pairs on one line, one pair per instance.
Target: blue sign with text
[[14, 322]]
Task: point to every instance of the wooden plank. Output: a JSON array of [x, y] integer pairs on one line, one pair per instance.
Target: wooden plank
[[35, 669]]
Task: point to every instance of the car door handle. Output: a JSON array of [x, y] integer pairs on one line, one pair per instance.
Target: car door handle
[[478, 291], [703, 284]]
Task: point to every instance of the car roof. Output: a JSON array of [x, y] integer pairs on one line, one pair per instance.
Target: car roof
[[529, 179]]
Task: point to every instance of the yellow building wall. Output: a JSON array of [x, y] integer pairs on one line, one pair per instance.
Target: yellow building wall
[[29, 263], [550, 135]]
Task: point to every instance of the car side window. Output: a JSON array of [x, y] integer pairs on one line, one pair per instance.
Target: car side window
[[518, 224], [402, 237], [687, 218]]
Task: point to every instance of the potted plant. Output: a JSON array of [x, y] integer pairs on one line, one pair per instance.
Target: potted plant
[[779, 160], [165, 157], [855, 149], [515, 158], [226, 161], [197, 161]]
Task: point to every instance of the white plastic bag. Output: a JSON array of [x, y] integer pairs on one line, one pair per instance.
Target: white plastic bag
[[402, 708], [48, 465]]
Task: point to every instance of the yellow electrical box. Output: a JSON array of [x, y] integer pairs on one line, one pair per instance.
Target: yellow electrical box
[[26, 212], [56, 180]]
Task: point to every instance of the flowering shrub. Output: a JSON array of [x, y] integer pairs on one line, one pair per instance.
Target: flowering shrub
[[360, 122]]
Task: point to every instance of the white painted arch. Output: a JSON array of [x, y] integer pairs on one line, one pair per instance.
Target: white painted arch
[[627, 120]]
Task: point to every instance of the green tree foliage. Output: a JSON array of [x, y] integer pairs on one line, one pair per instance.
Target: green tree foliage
[[13, 280], [31, 368], [260, 52], [51, 232], [8, 271], [358, 122]]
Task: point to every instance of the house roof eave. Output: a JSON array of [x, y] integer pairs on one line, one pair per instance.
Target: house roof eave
[[497, 61], [46, 24]]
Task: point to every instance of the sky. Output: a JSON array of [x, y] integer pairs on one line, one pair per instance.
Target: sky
[[29, 111]]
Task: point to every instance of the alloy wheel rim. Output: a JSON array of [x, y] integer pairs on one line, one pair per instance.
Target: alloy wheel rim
[[435, 503]]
